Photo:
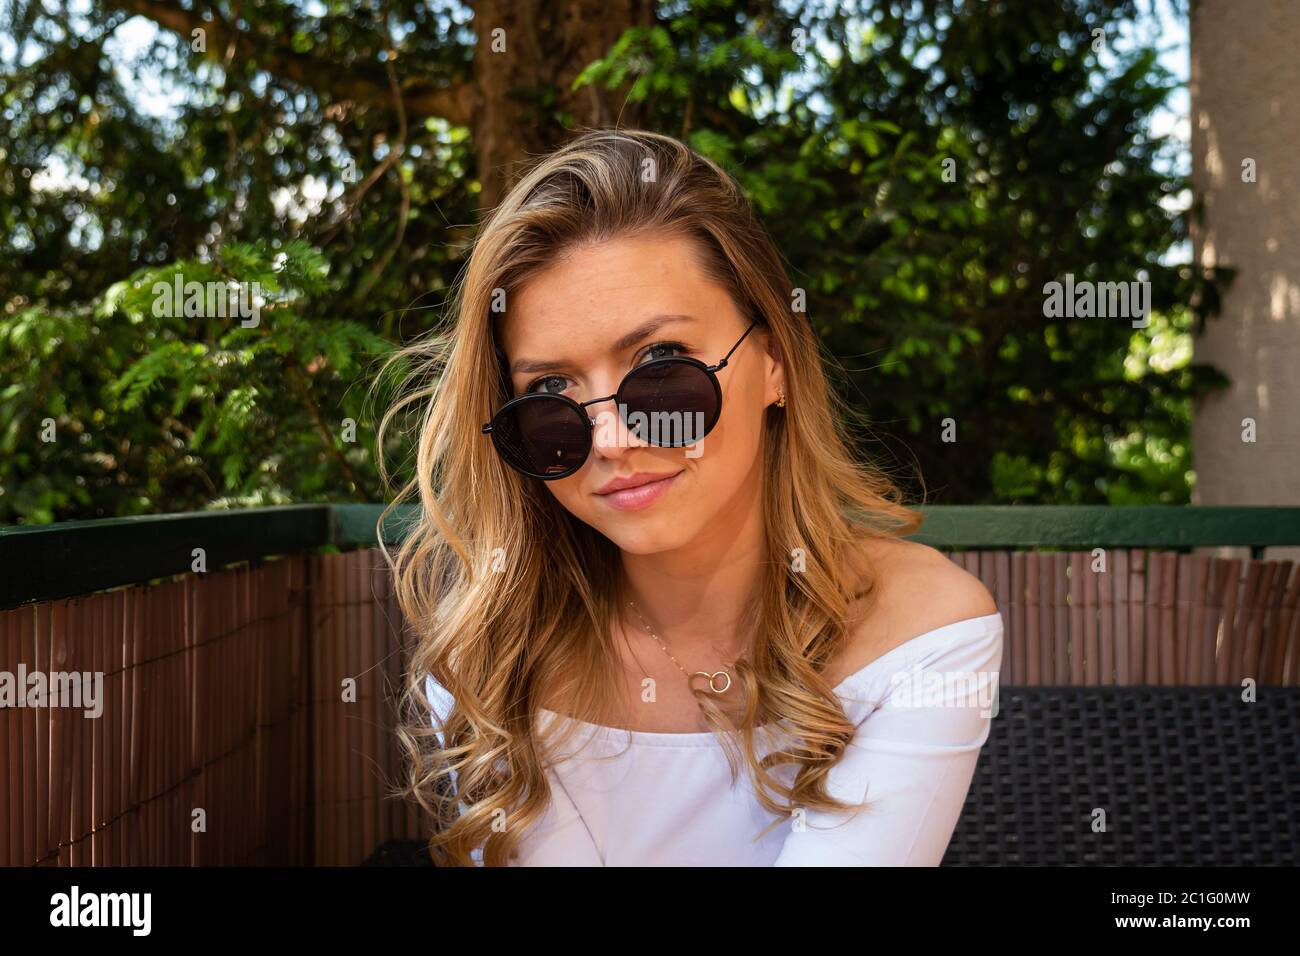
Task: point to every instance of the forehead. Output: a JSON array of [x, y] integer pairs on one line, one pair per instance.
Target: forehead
[[594, 294]]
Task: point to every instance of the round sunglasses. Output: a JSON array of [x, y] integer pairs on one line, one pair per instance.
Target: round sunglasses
[[670, 402]]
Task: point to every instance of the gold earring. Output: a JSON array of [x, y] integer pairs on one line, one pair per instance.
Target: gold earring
[[780, 403]]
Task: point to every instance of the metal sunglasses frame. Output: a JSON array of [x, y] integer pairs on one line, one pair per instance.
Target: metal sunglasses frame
[[581, 407]]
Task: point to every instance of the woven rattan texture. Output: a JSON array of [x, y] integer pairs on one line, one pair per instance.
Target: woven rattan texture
[[1185, 776]]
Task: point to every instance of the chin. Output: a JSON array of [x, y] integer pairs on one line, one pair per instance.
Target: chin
[[652, 537]]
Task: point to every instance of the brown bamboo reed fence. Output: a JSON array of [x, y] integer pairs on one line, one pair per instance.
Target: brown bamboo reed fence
[[224, 692], [1142, 617]]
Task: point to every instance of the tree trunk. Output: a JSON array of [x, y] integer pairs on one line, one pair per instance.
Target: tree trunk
[[528, 54]]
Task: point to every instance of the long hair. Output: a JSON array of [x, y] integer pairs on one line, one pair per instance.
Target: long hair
[[507, 593]]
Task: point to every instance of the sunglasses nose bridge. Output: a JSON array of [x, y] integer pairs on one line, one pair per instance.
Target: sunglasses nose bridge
[[610, 434], [587, 408]]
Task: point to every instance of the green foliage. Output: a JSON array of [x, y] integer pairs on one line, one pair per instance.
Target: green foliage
[[189, 409], [925, 289]]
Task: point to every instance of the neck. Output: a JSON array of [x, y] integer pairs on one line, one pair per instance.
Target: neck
[[695, 596]]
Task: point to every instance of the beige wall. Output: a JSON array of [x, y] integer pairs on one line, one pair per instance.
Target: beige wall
[[1245, 102]]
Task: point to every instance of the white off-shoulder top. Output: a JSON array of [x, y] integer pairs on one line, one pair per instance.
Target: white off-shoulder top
[[923, 710]]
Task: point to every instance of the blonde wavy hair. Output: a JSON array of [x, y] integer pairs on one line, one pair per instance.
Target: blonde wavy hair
[[510, 599]]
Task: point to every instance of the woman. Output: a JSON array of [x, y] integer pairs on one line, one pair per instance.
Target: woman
[[648, 563]]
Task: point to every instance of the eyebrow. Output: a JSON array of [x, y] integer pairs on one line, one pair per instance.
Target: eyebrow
[[643, 331]]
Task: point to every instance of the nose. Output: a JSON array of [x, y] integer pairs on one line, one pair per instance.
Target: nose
[[610, 437]]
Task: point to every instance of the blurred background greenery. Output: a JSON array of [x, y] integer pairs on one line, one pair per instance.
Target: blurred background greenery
[[925, 167]]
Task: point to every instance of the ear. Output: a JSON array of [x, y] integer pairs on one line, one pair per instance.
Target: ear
[[774, 370]]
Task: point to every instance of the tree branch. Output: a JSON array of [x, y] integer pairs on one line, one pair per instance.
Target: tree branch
[[454, 102], [303, 390], [397, 149]]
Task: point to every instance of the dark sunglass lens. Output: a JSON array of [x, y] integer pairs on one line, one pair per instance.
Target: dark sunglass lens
[[670, 403], [544, 437]]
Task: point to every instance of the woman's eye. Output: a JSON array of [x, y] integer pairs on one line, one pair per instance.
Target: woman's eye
[[548, 383], [662, 350], [556, 384]]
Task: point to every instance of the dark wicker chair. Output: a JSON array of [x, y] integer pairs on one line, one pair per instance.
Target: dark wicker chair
[[1187, 776]]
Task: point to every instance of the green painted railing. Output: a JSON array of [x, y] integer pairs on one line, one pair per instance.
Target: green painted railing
[[46, 562]]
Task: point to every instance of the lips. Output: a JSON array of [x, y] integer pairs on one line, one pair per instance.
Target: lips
[[636, 491]]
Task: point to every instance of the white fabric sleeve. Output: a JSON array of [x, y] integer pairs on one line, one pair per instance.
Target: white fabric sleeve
[[560, 838], [441, 702], [913, 756]]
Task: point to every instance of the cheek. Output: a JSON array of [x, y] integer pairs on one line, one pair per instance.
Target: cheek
[[729, 461], [735, 440], [568, 494]]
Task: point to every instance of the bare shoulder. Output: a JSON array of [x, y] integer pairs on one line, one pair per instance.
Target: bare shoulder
[[925, 587], [914, 589]]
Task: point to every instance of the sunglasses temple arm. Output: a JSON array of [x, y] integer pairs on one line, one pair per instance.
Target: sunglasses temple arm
[[723, 363]]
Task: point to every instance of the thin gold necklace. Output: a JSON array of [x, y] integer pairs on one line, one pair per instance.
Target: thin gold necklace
[[711, 678]]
